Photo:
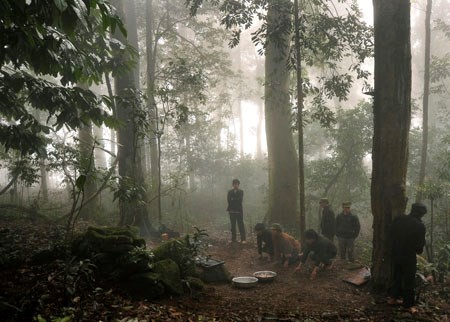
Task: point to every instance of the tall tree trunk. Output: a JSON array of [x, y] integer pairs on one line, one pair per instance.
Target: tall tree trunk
[[301, 163], [100, 157], [87, 164], [133, 210], [392, 118], [155, 205], [43, 188], [426, 96], [283, 168]]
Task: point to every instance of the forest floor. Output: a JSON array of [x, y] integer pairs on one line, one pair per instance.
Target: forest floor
[[29, 291]]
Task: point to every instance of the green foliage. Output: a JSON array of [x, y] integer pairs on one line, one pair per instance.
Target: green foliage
[[195, 243], [78, 272], [47, 48], [443, 260], [342, 173], [128, 191], [328, 38]]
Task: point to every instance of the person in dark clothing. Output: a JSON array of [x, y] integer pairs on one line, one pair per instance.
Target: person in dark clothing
[[407, 236], [327, 221], [264, 240], [347, 229], [235, 197], [320, 250]]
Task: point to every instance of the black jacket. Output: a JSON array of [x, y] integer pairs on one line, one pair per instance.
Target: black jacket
[[407, 238], [266, 238], [324, 250], [347, 226], [328, 222], [235, 198]]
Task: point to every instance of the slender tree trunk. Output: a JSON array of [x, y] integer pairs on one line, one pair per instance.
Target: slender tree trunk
[[155, 198], [283, 167], [426, 96], [301, 164], [43, 187], [44, 180], [392, 117], [100, 157], [87, 163]]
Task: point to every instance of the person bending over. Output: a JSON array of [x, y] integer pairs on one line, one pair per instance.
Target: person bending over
[[285, 247], [264, 240], [320, 250]]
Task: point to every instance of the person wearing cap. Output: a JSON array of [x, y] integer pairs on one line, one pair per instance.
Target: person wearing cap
[[347, 229], [320, 250], [264, 240], [327, 220], [407, 237], [285, 247], [235, 197]]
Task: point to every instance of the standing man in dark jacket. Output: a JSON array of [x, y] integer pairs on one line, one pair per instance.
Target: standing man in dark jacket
[[264, 240], [235, 197], [328, 221], [407, 240], [347, 229]]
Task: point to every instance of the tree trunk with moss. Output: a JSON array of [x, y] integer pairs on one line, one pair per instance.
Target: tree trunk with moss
[[392, 118], [132, 194], [283, 168]]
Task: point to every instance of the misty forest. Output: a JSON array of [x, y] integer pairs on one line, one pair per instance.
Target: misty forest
[[224, 160]]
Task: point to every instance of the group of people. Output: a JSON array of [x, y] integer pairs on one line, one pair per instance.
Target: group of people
[[407, 239]]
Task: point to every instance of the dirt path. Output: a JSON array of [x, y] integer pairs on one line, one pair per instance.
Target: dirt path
[[291, 296], [29, 290]]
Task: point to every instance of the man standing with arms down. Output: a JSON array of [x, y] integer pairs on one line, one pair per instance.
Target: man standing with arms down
[[328, 221], [407, 239], [347, 229], [235, 197]]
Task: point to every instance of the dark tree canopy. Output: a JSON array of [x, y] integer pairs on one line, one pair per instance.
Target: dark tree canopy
[[47, 47]]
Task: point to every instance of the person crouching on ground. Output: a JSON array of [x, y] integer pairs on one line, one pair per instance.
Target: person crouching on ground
[[321, 250], [285, 247], [264, 241]]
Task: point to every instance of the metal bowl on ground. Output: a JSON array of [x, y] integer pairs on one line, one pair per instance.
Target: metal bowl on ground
[[265, 276], [244, 281]]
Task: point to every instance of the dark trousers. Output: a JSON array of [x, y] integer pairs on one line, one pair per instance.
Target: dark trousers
[[239, 218], [346, 248], [404, 281]]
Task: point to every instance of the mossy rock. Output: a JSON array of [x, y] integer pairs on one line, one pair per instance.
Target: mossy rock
[[169, 274], [115, 240], [216, 274], [177, 251], [194, 284], [144, 286]]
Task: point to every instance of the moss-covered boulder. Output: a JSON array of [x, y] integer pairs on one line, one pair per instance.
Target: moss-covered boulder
[[115, 240], [214, 274], [194, 284], [144, 286], [169, 274], [177, 251]]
